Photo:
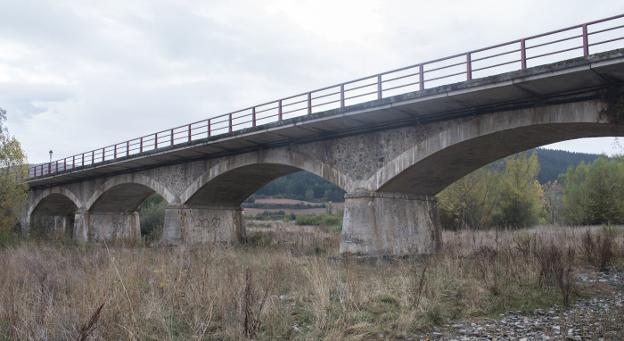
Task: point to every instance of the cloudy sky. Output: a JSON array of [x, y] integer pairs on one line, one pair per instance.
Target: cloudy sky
[[76, 75]]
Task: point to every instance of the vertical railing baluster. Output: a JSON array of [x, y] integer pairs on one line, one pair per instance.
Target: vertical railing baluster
[[64, 164], [128, 148], [279, 110], [103, 154], [141, 145], [309, 103], [342, 96], [82, 161], [114, 152], [171, 137], [523, 60], [379, 87], [73, 161], [230, 122], [92, 157], [189, 133], [585, 42], [253, 116], [155, 141], [421, 77], [468, 66], [208, 127]]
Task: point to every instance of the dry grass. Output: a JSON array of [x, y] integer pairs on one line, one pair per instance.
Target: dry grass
[[283, 290]]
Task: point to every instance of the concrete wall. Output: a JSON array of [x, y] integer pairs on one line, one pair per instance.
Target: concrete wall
[[416, 161]]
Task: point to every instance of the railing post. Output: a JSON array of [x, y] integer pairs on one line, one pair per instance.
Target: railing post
[[342, 96], [103, 154], [523, 60], [230, 122], [421, 77], [92, 157], [155, 141], [585, 42], [468, 66], [279, 110], [309, 103], [56, 167], [64, 164], [73, 161], [128, 148], [171, 137], [208, 128], [141, 145], [253, 116], [189, 133], [114, 152], [82, 160], [379, 87], [49, 167]]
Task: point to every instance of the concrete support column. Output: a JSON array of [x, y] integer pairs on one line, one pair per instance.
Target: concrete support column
[[200, 224], [81, 226], [389, 224], [106, 226]]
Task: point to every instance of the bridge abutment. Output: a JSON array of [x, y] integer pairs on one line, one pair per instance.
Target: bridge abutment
[[199, 224], [389, 224]]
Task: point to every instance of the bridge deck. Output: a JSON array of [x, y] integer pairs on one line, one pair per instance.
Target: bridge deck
[[563, 81]]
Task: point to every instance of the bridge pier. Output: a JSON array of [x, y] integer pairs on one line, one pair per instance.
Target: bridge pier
[[104, 226], [81, 226], [202, 224], [389, 224]]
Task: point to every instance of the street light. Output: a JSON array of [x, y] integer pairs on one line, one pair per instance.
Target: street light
[[51, 152]]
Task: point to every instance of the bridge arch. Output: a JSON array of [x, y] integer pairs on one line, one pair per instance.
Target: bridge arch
[[52, 213], [60, 194], [135, 188], [229, 182], [463, 145]]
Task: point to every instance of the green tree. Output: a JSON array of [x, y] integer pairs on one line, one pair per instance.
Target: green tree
[[470, 202], [521, 196], [507, 196], [13, 170], [594, 193]]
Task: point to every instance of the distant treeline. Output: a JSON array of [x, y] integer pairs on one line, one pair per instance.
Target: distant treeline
[[309, 187]]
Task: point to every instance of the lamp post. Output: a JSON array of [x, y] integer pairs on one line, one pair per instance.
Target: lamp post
[[51, 152]]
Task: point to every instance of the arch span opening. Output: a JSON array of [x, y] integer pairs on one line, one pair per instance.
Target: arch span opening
[[53, 217], [127, 211]]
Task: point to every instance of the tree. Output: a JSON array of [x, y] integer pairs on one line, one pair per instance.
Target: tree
[[594, 193], [13, 170], [508, 196], [521, 200]]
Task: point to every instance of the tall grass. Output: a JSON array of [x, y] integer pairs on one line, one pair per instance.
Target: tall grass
[[283, 290]]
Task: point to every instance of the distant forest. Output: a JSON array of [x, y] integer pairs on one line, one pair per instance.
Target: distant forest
[[306, 186]]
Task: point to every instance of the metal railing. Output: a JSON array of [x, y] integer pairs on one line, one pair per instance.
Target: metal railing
[[570, 42]]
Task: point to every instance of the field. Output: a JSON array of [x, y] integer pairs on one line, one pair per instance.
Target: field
[[288, 282]]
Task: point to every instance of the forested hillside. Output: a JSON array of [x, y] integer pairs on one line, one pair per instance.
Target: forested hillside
[[306, 186]]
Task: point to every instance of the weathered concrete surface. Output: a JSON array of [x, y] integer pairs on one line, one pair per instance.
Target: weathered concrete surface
[[399, 151], [114, 226], [197, 225], [380, 223]]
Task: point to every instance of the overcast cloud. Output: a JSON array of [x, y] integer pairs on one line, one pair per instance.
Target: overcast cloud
[[76, 75]]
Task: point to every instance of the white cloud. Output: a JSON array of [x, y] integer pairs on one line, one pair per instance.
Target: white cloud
[[79, 75]]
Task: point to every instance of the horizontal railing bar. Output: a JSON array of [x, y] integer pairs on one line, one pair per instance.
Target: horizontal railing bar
[[554, 52], [401, 86], [494, 55], [400, 77], [446, 76], [605, 41], [496, 65], [605, 30], [554, 42], [326, 95], [361, 95], [446, 67]]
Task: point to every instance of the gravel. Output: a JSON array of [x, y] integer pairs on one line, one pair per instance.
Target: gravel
[[597, 318]]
